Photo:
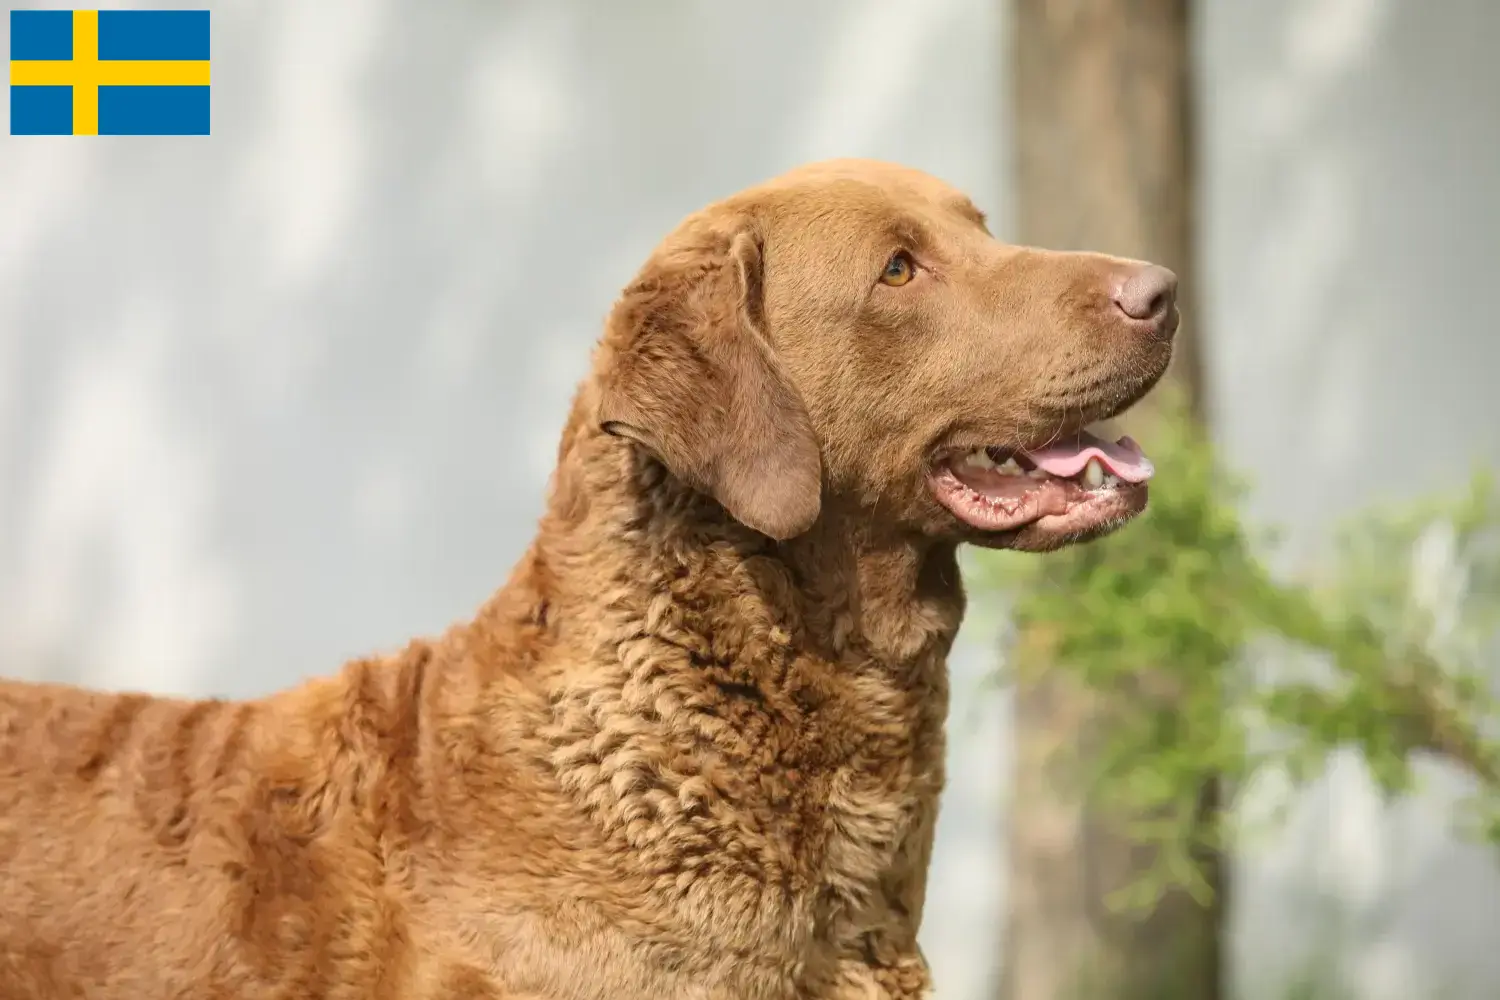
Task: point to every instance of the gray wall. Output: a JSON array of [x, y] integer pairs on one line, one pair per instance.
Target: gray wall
[[290, 394], [1352, 152]]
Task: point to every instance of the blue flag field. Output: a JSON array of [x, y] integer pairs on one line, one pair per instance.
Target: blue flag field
[[113, 72]]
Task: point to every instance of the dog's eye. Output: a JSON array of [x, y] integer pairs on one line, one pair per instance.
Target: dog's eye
[[898, 270]]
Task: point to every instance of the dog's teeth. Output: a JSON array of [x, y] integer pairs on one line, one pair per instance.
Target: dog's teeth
[[1010, 468], [1111, 480], [979, 459], [1093, 474]]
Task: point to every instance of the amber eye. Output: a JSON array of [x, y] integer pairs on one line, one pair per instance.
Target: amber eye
[[898, 270]]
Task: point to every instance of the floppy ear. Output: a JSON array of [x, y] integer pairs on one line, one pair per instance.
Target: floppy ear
[[694, 380]]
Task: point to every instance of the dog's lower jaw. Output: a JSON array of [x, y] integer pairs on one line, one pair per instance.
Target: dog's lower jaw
[[1072, 488]]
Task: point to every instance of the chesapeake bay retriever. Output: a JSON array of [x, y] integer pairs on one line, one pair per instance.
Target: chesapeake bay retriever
[[693, 747]]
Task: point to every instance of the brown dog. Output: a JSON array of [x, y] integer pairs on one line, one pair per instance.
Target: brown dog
[[694, 747]]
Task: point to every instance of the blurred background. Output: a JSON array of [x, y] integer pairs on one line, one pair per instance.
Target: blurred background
[[290, 394]]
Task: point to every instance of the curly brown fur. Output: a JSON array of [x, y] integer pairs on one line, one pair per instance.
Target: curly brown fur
[[693, 747]]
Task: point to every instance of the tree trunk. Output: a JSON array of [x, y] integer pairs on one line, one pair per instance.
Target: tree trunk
[[1104, 139]]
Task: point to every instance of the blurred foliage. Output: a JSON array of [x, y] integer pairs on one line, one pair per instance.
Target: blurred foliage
[[1214, 668]]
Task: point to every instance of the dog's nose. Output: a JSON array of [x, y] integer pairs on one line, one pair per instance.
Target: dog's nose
[[1148, 294]]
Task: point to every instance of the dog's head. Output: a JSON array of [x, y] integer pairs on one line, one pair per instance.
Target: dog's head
[[851, 334]]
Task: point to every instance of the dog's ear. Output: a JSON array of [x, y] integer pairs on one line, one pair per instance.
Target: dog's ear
[[694, 379]]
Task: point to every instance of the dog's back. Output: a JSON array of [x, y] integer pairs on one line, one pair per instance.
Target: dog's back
[[189, 848], [99, 794]]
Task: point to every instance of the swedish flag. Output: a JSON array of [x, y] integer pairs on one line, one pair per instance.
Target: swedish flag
[[113, 72]]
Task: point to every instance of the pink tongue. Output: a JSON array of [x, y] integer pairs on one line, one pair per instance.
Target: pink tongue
[[1123, 458]]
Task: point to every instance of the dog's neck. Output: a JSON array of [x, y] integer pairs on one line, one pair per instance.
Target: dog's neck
[[619, 529], [888, 594]]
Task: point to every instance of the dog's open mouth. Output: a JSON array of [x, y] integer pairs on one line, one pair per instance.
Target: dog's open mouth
[[1079, 485]]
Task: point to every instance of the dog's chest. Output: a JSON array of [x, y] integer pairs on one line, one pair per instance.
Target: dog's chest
[[827, 768], [701, 825], [881, 744], [761, 805]]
